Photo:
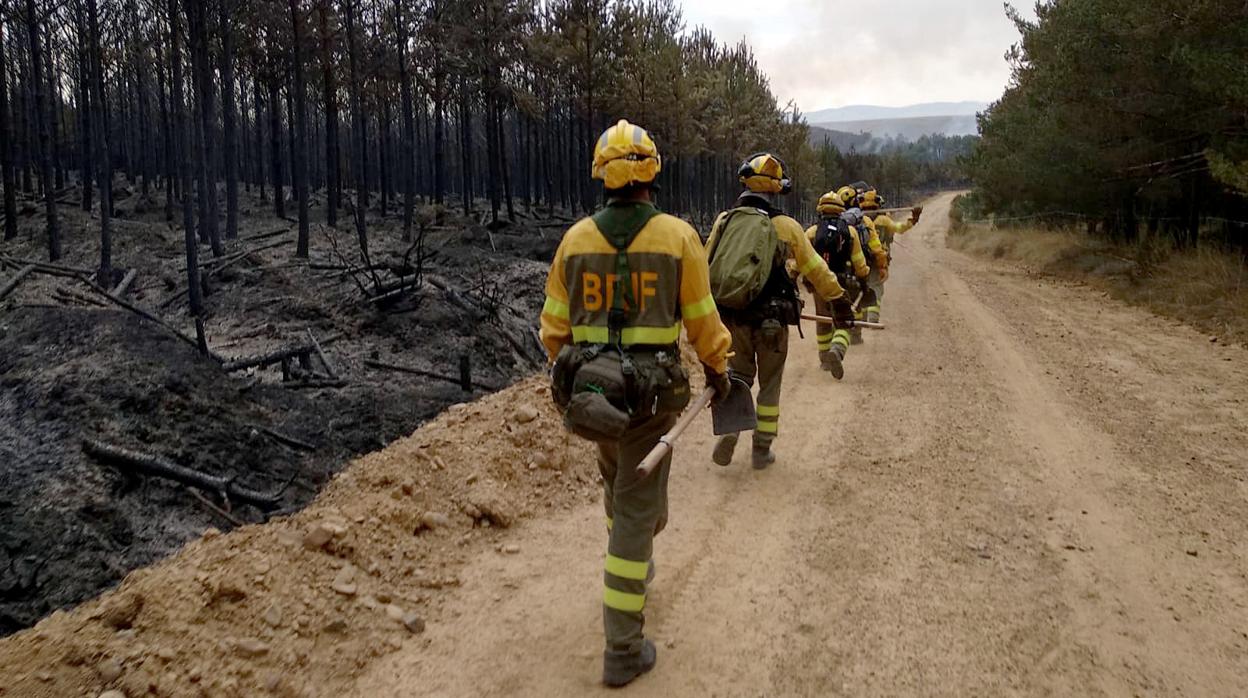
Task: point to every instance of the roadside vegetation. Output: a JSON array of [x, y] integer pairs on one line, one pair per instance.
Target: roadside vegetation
[[1205, 286]]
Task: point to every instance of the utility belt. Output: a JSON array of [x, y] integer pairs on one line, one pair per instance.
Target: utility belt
[[603, 389], [784, 310]]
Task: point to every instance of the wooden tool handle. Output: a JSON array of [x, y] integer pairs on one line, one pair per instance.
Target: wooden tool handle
[[668, 440], [857, 323]]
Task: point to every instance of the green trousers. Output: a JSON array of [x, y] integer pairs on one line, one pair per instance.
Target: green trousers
[[757, 353], [827, 335], [873, 312], [636, 513]]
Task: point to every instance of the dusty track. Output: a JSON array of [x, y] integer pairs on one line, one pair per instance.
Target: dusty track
[[1021, 488]]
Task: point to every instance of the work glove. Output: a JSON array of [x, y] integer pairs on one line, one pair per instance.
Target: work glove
[[842, 313], [884, 273], [718, 381], [915, 213]]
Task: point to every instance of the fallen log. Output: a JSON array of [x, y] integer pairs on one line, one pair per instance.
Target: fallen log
[[320, 354], [275, 356], [148, 316], [15, 280], [373, 363], [286, 439], [46, 266], [263, 236], [66, 294], [153, 465], [314, 384], [121, 288]]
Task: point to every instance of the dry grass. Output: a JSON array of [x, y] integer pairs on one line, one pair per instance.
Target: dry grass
[[1205, 288]]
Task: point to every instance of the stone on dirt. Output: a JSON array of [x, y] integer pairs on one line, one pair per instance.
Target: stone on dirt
[[435, 519], [120, 611], [112, 694], [344, 581], [414, 623], [272, 616], [525, 414], [251, 647], [109, 670]]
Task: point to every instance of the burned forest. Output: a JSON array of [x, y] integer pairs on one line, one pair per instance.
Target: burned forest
[[246, 241]]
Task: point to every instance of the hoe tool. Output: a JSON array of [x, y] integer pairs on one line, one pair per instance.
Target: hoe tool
[[857, 323], [735, 414]]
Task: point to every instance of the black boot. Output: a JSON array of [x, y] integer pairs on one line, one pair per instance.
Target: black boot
[[762, 457], [620, 668], [722, 455], [831, 361]]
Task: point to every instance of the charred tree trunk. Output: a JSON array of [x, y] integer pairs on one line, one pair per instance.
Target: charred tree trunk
[[333, 176], [6, 147], [299, 174], [408, 160], [194, 290], [229, 119], [360, 138], [439, 141], [197, 29], [44, 117], [275, 148], [100, 140], [84, 113], [166, 139]]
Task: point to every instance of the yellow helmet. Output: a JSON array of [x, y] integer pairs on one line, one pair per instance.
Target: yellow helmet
[[831, 204], [624, 155], [870, 200], [764, 173], [848, 195]]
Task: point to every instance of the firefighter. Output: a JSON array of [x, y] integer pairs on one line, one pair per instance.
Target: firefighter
[[873, 247], [622, 284], [841, 248], [747, 247], [887, 229]]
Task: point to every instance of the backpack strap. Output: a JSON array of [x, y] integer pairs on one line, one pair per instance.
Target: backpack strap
[[721, 222], [620, 223]]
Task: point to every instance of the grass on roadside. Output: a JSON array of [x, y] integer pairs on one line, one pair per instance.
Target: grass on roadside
[[1206, 288]]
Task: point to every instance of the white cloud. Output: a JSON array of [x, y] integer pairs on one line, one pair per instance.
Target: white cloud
[[828, 53]]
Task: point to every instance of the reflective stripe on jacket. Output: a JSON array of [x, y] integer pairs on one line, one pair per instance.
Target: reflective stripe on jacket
[[669, 283]]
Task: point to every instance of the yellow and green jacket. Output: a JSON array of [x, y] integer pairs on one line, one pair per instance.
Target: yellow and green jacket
[[857, 260], [879, 253], [669, 283], [809, 263], [889, 228]]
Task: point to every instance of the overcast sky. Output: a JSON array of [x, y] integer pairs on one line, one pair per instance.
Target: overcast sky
[[901, 52]]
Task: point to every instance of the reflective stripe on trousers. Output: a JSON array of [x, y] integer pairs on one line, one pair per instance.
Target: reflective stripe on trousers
[[636, 511]]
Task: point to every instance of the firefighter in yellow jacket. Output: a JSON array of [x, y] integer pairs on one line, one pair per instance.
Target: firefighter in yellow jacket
[[622, 284], [838, 244], [760, 328], [887, 230], [877, 254]]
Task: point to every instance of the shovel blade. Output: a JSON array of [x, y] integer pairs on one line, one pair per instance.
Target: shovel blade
[[736, 414]]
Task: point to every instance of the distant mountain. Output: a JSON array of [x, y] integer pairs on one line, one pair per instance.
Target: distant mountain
[[910, 129], [873, 113], [841, 140]]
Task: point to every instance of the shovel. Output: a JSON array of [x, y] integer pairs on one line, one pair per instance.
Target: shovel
[[735, 414], [857, 323]]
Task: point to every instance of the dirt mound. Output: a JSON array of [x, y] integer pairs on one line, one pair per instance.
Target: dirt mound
[[363, 568]]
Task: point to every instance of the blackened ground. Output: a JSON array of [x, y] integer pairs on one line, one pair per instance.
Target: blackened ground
[[70, 526]]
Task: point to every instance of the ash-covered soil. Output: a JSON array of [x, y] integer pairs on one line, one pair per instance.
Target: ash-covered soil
[[74, 366]]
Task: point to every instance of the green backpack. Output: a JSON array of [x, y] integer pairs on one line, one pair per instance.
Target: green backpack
[[743, 257]]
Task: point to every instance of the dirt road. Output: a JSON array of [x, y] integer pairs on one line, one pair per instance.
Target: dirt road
[[1021, 488]]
